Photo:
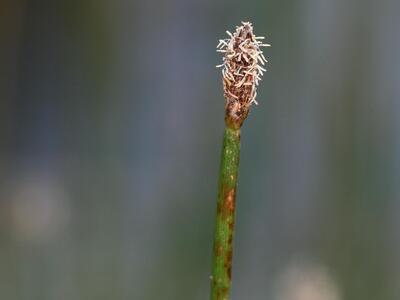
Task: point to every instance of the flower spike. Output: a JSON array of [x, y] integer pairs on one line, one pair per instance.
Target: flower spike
[[241, 72]]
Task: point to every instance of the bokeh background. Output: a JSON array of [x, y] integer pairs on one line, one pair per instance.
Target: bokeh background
[[111, 123]]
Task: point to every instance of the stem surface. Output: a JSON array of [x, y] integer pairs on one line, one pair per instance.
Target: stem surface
[[222, 251]]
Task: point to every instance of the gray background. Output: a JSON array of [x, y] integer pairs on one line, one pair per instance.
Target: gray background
[[111, 118]]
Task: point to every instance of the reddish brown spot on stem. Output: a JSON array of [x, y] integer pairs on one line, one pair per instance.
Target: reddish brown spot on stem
[[230, 237], [229, 201], [228, 263], [218, 249], [222, 293], [231, 224]]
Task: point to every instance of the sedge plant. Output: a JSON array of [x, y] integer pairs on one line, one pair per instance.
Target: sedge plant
[[241, 73]]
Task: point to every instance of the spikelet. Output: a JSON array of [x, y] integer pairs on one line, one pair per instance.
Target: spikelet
[[241, 71]]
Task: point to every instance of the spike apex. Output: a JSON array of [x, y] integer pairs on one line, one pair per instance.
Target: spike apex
[[241, 71]]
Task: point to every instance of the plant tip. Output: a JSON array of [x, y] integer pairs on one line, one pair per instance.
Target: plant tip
[[241, 71]]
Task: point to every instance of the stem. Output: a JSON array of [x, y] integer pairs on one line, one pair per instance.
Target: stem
[[222, 252]]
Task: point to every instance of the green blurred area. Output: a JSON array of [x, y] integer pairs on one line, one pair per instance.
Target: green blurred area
[[111, 127]]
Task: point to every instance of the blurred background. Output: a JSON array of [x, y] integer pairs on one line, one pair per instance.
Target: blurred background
[[111, 123]]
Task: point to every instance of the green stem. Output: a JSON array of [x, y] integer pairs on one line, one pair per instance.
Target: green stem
[[222, 253]]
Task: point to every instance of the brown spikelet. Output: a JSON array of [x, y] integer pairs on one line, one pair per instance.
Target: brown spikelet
[[241, 72]]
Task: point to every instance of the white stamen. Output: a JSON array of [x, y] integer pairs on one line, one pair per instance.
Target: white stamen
[[261, 68]]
